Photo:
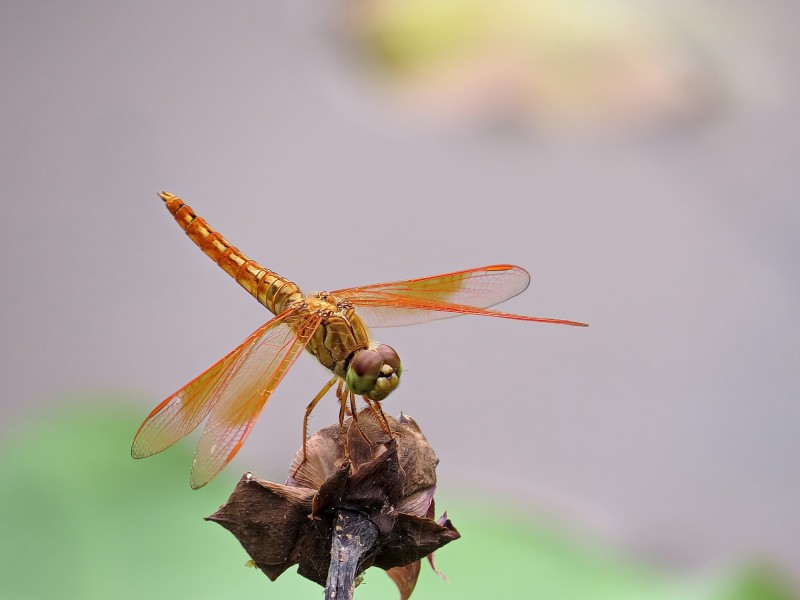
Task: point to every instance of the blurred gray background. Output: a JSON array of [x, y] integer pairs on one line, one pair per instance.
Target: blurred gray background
[[671, 424]]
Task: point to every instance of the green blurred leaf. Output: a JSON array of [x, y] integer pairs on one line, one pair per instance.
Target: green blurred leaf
[[81, 519], [757, 583]]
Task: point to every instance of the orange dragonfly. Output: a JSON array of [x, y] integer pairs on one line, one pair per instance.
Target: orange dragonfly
[[331, 326]]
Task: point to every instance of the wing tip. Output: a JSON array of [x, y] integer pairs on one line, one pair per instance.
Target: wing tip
[[516, 269], [139, 450], [205, 468], [506, 267], [564, 322], [198, 479], [146, 443]]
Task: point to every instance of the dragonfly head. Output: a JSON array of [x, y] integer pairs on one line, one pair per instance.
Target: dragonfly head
[[374, 373]]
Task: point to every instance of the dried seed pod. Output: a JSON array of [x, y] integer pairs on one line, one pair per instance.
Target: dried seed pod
[[369, 505]]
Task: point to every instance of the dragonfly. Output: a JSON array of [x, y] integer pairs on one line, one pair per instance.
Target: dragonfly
[[332, 326]]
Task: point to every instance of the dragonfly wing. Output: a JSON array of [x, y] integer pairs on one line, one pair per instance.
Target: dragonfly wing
[[244, 391], [409, 302], [181, 413], [442, 296]]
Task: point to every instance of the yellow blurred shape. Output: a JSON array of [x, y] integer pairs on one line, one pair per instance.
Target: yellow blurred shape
[[563, 61]]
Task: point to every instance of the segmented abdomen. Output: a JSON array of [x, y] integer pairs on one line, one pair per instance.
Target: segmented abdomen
[[269, 288]]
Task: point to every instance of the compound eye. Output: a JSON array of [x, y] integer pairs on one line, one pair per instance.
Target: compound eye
[[367, 363], [364, 371], [389, 356]]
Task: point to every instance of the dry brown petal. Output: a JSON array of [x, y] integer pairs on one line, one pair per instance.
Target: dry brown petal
[[383, 491], [405, 578], [265, 517]]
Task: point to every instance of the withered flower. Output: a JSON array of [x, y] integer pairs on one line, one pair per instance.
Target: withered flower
[[339, 514]]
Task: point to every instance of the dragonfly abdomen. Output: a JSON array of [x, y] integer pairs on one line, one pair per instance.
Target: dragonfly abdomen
[[269, 288]]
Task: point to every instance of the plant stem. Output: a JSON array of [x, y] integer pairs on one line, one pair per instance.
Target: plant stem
[[354, 535]]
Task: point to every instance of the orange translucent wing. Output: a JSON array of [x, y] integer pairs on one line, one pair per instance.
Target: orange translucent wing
[[181, 413], [441, 296], [244, 391]]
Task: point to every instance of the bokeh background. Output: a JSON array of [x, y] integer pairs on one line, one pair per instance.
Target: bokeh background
[[639, 159]]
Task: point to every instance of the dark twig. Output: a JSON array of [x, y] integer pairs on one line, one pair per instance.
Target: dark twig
[[354, 535]]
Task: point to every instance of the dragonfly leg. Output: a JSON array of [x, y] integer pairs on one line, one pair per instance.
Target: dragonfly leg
[[342, 431], [354, 412], [309, 408], [376, 409], [342, 394]]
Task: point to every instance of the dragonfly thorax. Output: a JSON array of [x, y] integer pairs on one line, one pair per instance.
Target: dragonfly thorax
[[340, 334], [374, 373], [342, 344]]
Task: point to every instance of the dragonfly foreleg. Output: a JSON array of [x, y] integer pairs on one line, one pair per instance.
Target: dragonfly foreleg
[[354, 412], [342, 393], [376, 409]]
